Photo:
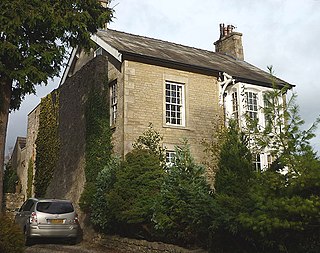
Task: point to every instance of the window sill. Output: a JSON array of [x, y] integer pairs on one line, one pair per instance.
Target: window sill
[[177, 127]]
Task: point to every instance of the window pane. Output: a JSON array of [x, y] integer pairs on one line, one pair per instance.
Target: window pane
[[252, 105], [174, 103]]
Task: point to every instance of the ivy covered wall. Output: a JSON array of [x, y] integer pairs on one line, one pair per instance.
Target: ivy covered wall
[[47, 143], [69, 178]]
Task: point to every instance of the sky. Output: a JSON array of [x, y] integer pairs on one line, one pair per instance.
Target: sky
[[281, 33]]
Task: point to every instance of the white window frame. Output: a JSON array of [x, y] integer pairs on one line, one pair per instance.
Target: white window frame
[[257, 162], [170, 157], [251, 106], [113, 89], [235, 105], [174, 103]]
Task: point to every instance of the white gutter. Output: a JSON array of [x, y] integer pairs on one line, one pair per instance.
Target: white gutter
[[111, 50], [66, 70]]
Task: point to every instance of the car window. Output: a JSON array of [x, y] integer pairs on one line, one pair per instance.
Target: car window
[[55, 207], [27, 205]]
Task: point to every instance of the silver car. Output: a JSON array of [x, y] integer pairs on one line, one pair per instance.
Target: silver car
[[48, 218]]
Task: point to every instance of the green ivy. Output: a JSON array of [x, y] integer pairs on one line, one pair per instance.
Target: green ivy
[[10, 179], [98, 143], [47, 143], [30, 178]]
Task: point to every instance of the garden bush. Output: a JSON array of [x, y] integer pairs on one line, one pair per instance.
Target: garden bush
[[11, 236], [182, 212]]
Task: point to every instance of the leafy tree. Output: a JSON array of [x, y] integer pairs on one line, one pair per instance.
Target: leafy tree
[[34, 39], [132, 197], [150, 140], [102, 215], [286, 217], [125, 191], [234, 181], [183, 209], [12, 238], [10, 179]]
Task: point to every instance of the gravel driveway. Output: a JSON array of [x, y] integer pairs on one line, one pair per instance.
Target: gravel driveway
[[56, 246]]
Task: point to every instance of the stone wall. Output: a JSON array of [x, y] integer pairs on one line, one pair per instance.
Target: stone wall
[[69, 176], [141, 246], [32, 133], [12, 202], [142, 101]]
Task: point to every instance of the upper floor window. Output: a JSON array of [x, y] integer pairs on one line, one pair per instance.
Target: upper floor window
[[257, 162], [252, 104], [268, 117], [175, 111], [235, 105], [113, 102]]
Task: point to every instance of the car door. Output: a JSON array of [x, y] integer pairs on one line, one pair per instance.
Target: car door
[[23, 215]]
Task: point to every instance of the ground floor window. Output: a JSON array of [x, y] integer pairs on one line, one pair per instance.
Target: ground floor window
[[170, 157]]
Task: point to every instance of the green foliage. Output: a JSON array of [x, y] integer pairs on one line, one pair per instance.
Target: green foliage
[[235, 173], [98, 143], [102, 215], [283, 135], [234, 181], [150, 140], [286, 197], [33, 43], [276, 210], [12, 238], [183, 209], [125, 191], [10, 179], [47, 142], [30, 178], [132, 196], [284, 217]]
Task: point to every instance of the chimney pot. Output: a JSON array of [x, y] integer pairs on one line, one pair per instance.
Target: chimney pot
[[230, 42]]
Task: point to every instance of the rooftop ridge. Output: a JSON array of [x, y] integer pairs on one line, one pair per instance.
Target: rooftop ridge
[[159, 40]]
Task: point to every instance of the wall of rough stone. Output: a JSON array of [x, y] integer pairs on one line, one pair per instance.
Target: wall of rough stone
[[12, 202], [69, 177], [231, 44], [18, 162], [32, 133], [141, 246]]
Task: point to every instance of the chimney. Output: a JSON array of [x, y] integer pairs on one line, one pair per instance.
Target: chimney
[[104, 4], [230, 42]]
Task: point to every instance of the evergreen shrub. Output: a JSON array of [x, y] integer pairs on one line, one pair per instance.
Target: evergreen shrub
[[11, 236]]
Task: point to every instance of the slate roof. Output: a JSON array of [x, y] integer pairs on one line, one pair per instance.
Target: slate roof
[[130, 45]]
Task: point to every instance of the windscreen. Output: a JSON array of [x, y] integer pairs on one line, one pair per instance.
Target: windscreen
[[55, 207]]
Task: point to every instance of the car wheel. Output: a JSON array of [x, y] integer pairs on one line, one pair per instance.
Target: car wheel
[[73, 241], [27, 239]]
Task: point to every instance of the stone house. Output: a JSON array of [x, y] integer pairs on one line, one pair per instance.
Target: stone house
[[18, 162], [24, 152], [180, 90], [183, 91]]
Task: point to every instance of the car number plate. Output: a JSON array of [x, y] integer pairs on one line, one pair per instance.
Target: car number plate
[[56, 221]]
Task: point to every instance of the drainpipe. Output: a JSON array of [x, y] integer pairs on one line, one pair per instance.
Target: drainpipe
[[227, 79]]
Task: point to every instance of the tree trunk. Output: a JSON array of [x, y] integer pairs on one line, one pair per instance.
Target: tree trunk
[[5, 97]]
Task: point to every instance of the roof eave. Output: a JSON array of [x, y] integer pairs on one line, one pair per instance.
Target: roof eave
[[168, 63], [278, 83]]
